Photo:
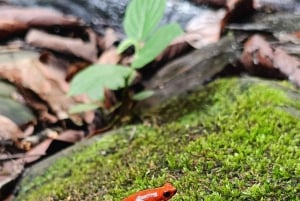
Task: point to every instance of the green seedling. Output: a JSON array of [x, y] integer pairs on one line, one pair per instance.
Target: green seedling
[[148, 39]]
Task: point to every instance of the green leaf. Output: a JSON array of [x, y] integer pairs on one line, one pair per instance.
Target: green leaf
[[156, 44], [83, 108], [95, 78], [125, 44], [142, 17], [143, 95]]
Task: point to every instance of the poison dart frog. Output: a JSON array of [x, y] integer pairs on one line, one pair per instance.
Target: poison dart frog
[[163, 193]]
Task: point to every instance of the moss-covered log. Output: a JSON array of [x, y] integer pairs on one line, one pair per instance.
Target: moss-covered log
[[236, 139]]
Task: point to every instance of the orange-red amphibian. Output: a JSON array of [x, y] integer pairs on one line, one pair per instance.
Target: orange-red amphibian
[[163, 193]]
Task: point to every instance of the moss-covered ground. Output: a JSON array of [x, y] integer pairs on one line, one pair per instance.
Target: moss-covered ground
[[233, 140]]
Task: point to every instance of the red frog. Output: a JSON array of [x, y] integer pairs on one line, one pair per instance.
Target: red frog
[[163, 193]]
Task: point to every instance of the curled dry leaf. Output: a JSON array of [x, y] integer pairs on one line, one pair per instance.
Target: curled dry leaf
[[257, 53], [76, 47], [37, 17], [205, 28], [71, 136], [109, 39], [288, 37], [11, 27], [260, 58], [288, 65], [37, 152], [110, 56], [9, 172], [9, 130], [25, 70], [68, 136]]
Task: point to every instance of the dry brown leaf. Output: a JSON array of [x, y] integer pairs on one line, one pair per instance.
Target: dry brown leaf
[[11, 27], [258, 52], [37, 17], [288, 65], [76, 47], [71, 136], [40, 150], [110, 56], [45, 81], [9, 130], [287, 37], [205, 28], [37, 152], [9, 171], [109, 39], [260, 58]]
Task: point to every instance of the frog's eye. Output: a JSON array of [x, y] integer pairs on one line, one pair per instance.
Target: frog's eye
[[167, 194]]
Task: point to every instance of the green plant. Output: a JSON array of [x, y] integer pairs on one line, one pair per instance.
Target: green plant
[[149, 40]]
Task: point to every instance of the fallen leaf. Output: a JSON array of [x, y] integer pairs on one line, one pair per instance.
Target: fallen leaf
[[37, 17], [110, 56], [259, 57], [288, 65], [109, 39], [76, 47], [9, 130], [45, 148], [37, 152], [48, 82], [205, 28], [12, 105], [10, 171], [71, 136], [9, 28], [284, 37]]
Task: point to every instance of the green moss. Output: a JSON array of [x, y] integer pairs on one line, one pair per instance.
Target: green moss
[[233, 140]]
